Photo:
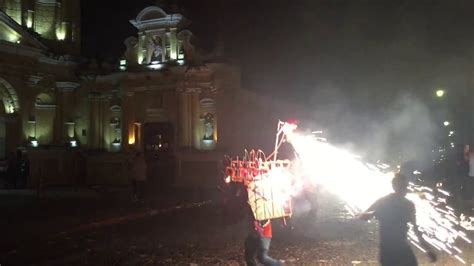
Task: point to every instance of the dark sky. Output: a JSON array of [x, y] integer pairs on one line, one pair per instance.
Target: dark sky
[[316, 50]]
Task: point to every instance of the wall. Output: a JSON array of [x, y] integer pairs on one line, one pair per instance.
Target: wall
[[58, 22]]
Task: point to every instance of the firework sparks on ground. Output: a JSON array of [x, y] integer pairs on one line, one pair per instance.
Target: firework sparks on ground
[[359, 184]]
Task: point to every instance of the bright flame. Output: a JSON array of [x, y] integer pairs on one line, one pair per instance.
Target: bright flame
[[360, 184], [357, 183]]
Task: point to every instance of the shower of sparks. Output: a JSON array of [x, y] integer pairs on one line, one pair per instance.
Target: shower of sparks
[[360, 184]]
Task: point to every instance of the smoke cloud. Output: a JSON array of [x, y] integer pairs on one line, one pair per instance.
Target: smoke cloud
[[403, 130]]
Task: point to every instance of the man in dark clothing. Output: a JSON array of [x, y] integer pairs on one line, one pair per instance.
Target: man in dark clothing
[[394, 211]]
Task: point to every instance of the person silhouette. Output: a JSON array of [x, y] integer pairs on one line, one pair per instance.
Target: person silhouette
[[394, 212]]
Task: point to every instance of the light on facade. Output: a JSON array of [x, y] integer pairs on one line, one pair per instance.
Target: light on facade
[[73, 143], [439, 93], [446, 123], [155, 66], [60, 35], [123, 65], [13, 37], [29, 23], [30, 19], [116, 142], [61, 31], [34, 142]]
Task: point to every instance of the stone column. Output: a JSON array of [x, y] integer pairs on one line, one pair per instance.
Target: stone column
[[163, 46], [46, 18], [184, 119], [66, 104], [128, 118], [197, 127], [70, 132], [189, 117], [173, 45], [138, 136], [94, 134], [58, 121], [141, 49]]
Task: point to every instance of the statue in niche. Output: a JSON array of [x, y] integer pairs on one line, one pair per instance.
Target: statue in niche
[[154, 50], [208, 122]]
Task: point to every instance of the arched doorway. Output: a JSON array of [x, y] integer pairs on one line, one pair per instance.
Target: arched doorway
[[9, 122], [9, 97]]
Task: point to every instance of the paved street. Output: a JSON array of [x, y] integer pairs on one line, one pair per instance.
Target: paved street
[[107, 229]]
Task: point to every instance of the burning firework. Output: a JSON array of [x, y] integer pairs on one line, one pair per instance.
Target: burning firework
[[357, 183]]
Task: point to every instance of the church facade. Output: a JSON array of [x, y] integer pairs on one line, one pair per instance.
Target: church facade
[[181, 107]]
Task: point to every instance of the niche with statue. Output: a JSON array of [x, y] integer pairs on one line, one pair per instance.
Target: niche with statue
[[208, 124]]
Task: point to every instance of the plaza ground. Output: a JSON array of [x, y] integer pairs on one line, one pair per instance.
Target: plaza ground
[[104, 227]]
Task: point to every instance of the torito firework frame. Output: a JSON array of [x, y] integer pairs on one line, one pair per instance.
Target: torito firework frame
[[267, 179]]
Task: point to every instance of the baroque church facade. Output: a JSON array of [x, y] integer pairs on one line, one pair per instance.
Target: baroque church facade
[[183, 108]]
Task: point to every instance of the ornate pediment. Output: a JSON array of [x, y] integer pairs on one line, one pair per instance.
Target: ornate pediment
[[154, 17]]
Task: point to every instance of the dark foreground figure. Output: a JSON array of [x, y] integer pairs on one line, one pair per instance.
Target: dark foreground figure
[[394, 211]]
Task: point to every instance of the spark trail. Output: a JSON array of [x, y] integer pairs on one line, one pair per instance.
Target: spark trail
[[359, 184]]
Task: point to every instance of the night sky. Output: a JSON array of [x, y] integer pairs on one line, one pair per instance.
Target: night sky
[[315, 50]]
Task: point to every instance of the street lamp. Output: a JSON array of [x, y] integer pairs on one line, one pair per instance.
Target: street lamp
[[446, 123], [439, 93]]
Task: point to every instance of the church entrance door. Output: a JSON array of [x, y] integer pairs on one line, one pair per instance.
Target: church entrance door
[[159, 155]]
